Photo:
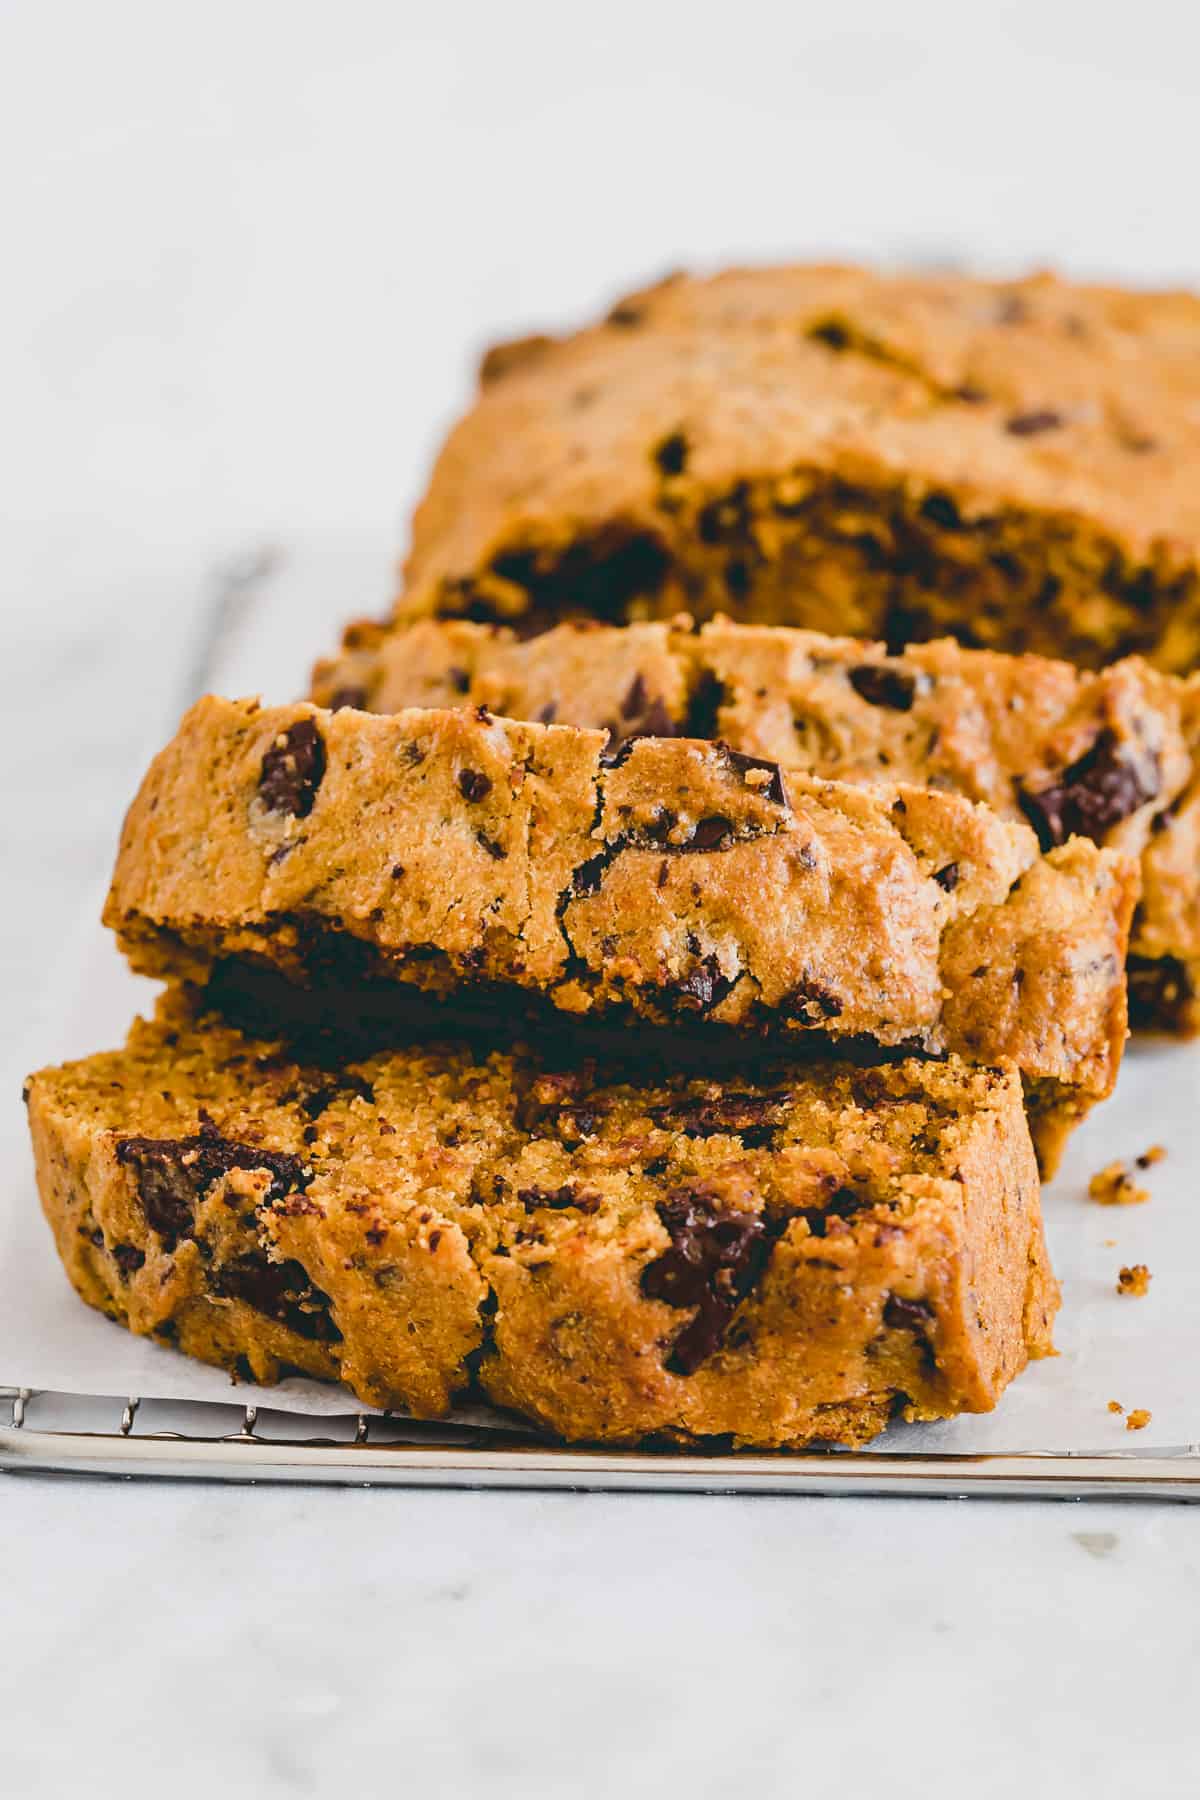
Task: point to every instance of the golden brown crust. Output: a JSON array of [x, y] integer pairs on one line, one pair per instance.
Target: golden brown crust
[[895, 456], [680, 881], [790, 1259], [1114, 754]]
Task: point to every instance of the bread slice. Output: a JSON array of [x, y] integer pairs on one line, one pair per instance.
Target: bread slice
[[1112, 755], [612, 1252], [679, 882]]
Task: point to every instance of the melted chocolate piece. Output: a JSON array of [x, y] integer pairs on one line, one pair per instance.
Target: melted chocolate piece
[[283, 1292], [1094, 794], [473, 784], [672, 453], [721, 1113], [774, 789], [293, 770], [558, 1199], [812, 1001], [880, 685], [702, 989], [172, 1174], [1031, 423], [714, 1260], [907, 1315]]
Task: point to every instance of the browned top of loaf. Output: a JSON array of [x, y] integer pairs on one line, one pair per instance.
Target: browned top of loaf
[[1078, 405]]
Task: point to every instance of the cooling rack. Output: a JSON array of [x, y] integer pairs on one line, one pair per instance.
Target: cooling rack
[[90, 1435]]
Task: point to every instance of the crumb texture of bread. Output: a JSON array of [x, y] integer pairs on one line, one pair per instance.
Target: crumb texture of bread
[[677, 881], [1111, 755], [901, 456], [793, 1259]]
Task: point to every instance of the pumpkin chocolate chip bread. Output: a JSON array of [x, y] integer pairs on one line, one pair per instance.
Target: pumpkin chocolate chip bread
[[679, 881], [1111, 755], [1016, 464], [794, 1258]]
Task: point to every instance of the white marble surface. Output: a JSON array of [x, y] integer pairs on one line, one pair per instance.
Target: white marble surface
[[248, 251]]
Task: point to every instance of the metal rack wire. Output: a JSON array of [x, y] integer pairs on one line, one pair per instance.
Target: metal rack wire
[[73, 1434]]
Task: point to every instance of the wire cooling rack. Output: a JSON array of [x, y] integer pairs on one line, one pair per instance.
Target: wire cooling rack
[[89, 1435]]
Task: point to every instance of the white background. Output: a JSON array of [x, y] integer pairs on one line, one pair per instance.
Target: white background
[[248, 254]]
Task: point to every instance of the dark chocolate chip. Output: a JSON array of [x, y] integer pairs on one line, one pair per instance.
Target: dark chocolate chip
[[812, 1001], [548, 713], [948, 877], [830, 332], [128, 1258], [704, 988], [625, 315], [283, 1292], [715, 833], [714, 1259], [737, 760], [726, 1113], [1029, 424], [1095, 793], [495, 850], [671, 454], [293, 769], [907, 1315], [172, 1174], [459, 679], [557, 1199], [941, 510], [880, 685], [473, 784], [842, 1204], [397, 871], [587, 877]]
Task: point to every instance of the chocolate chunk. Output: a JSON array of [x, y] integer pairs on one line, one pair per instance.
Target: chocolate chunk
[[587, 877], [907, 1315], [830, 332], [282, 1291], [1031, 423], [459, 679], [625, 316], [742, 764], [128, 1258], [728, 517], [843, 1204], [704, 988], [172, 1174], [293, 769], [558, 1199], [495, 850], [714, 1260], [671, 454], [473, 784], [880, 685], [1095, 793], [715, 833], [941, 510], [724, 1113], [948, 877], [353, 697], [812, 1001]]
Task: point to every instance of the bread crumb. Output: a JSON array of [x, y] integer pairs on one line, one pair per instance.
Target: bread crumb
[[1134, 1279], [1138, 1419], [1114, 1186], [1154, 1154], [1115, 1406]]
